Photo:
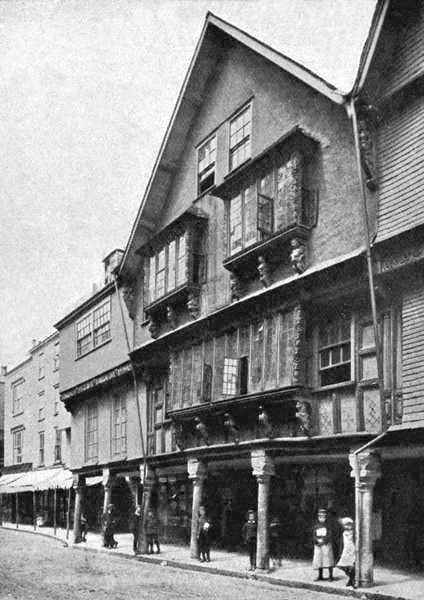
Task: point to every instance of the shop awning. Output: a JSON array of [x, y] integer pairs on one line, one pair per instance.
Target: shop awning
[[29, 481], [95, 480]]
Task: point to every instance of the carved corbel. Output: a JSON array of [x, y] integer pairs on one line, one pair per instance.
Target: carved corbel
[[298, 256], [202, 430], [235, 287], [128, 294], [231, 428], [264, 271], [265, 423], [153, 327], [193, 305], [171, 317], [303, 417], [178, 435]]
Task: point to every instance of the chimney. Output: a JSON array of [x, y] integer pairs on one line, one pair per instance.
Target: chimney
[[3, 370], [34, 342], [111, 263]]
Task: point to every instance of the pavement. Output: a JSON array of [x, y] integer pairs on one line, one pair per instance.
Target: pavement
[[389, 584]]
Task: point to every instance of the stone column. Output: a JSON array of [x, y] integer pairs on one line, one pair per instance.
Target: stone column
[[197, 473], [147, 477], [107, 485], [263, 468], [79, 486], [366, 469]]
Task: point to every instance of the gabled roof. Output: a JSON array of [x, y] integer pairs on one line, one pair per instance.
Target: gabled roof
[[209, 49]]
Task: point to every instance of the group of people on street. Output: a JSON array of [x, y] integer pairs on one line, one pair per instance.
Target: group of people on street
[[323, 538]]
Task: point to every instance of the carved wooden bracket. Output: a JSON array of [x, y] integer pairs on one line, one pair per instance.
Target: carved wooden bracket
[[231, 428], [235, 287], [171, 316], [298, 256], [298, 365], [304, 418], [264, 271], [265, 423], [201, 430], [153, 327], [178, 435], [193, 305], [128, 294]]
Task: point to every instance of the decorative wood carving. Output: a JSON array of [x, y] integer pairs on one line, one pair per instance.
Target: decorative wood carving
[[264, 271], [298, 256], [303, 416], [128, 294], [202, 430], [265, 423], [193, 305], [366, 114], [235, 286], [153, 327], [231, 428], [298, 365], [171, 317]]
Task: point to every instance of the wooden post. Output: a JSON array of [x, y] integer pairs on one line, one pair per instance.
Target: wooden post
[[263, 469], [55, 511], [34, 510], [68, 513], [366, 469], [148, 485], [79, 485], [17, 510], [197, 473]]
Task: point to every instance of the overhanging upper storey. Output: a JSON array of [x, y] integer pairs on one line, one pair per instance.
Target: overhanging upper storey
[[271, 205]]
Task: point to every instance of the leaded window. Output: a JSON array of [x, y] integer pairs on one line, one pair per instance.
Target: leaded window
[[206, 165], [240, 137]]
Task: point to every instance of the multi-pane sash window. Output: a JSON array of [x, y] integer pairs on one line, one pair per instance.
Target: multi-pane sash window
[[58, 446], [41, 365], [18, 441], [206, 165], [335, 351], [167, 268], [17, 396], [91, 431], [94, 329], [268, 203], [231, 376], [41, 448], [119, 425], [240, 137]]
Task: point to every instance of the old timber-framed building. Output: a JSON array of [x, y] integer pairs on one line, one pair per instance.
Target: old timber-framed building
[[246, 278]]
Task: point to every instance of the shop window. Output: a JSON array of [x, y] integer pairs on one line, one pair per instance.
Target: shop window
[[241, 137], [335, 351], [206, 157]]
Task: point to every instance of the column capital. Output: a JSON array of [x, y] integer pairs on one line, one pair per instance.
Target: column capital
[[78, 481], [196, 469], [262, 463], [106, 477], [366, 468], [147, 476]]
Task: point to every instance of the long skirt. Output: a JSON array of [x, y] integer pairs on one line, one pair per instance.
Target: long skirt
[[323, 557]]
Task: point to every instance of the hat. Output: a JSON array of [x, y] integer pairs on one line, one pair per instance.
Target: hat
[[322, 511], [346, 521]]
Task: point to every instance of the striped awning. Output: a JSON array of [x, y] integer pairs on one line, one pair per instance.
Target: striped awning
[[29, 481]]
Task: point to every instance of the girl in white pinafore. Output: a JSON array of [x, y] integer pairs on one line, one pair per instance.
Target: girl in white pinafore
[[323, 546], [347, 558]]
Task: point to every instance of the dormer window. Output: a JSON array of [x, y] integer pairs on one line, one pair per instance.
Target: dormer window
[[206, 165], [240, 137]]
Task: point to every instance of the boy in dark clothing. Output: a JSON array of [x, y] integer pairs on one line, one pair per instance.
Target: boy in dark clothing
[[135, 527], [152, 532], [275, 542], [109, 524], [249, 532], [203, 535]]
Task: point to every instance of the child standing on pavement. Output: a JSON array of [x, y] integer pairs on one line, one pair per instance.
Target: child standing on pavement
[[323, 547], [152, 532], [249, 537], [203, 535], [347, 558]]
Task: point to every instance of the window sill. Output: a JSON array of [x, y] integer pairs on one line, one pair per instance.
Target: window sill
[[334, 386], [179, 294], [205, 193], [93, 349], [18, 414]]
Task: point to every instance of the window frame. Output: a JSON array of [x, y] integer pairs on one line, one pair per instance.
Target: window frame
[[247, 139], [41, 365], [119, 424], [210, 168], [57, 446], [91, 455], [17, 409], [41, 448], [17, 457], [89, 320], [339, 344], [56, 357]]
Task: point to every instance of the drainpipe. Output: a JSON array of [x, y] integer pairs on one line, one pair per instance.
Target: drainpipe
[[135, 384]]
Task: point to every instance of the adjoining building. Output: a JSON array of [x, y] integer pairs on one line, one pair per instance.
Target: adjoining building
[[35, 481], [97, 388]]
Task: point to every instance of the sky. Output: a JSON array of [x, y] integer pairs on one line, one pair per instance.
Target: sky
[[86, 92]]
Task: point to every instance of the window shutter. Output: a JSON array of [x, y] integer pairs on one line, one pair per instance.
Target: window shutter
[[250, 216], [235, 225], [152, 278], [289, 193]]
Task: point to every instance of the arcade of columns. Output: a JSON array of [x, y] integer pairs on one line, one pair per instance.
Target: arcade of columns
[[366, 469]]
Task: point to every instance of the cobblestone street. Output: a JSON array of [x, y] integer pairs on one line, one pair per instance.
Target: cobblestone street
[[32, 567]]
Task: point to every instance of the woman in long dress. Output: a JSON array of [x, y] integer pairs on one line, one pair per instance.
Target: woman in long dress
[[347, 558]]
